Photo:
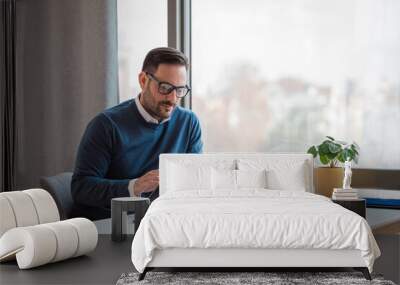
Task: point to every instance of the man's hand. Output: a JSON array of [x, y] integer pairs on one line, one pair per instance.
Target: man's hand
[[147, 183]]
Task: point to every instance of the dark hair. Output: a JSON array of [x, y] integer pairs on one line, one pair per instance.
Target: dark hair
[[167, 55]]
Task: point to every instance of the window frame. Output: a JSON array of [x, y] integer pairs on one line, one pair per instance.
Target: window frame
[[180, 36]]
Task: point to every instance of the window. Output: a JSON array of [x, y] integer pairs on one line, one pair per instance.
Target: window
[[142, 26], [277, 76]]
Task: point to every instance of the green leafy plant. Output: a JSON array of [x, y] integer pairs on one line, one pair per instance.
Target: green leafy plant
[[332, 151]]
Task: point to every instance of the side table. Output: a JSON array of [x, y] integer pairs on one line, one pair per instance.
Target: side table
[[119, 211], [358, 206]]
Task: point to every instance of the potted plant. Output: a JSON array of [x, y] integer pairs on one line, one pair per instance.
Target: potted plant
[[331, 152]]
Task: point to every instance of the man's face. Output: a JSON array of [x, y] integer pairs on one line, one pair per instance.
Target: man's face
[[158, 105]]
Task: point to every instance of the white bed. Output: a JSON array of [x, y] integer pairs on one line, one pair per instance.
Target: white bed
[[247, 210]]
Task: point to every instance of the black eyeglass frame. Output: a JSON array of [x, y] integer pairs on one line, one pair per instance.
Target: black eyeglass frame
[[171, 88]]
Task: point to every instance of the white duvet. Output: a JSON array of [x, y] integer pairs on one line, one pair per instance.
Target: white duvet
[[251, 218]]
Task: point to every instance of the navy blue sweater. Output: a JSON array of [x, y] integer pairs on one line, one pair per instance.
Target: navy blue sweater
[[119, 145]]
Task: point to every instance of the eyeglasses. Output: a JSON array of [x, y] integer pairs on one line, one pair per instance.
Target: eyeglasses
[[166, 88]]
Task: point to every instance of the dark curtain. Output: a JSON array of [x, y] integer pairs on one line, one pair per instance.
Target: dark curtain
[[66, 71], [7, 95]]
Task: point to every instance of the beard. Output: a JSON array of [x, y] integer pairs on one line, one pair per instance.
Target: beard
[[159, 110]]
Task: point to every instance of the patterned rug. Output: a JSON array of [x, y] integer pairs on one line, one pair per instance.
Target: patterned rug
[[243, 278]]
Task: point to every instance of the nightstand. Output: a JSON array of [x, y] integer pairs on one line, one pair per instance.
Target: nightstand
[[357, 206], [119, 210]]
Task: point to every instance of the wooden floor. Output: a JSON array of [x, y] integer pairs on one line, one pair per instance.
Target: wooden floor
[[106, 264]]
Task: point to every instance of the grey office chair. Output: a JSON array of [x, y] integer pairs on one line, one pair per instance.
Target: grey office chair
[[59, 186]]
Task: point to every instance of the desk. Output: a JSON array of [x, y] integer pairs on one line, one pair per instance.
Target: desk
[[102, 266]]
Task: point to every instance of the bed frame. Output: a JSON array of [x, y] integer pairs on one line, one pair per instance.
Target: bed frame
[[242, 259], [245, 258]]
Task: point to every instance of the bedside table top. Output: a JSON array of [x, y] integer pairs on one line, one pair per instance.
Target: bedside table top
[[130, 199]]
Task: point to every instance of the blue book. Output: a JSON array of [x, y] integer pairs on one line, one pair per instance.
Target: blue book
[[390, 203]]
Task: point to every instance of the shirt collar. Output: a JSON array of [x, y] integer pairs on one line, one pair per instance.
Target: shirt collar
[[146, 116]]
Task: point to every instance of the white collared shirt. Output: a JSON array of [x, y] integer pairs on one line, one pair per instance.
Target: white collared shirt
[[150, 119], [146, 116]]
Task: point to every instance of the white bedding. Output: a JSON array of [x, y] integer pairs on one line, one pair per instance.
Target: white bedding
[[250, 218]]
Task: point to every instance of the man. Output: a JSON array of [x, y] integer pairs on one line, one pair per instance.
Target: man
[[119, 151]]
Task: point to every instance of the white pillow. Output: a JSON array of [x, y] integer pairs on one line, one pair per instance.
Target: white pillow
[[291, 178], [223, 179], [251, 178], [227, 179], [188, 177], [281, 174]]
